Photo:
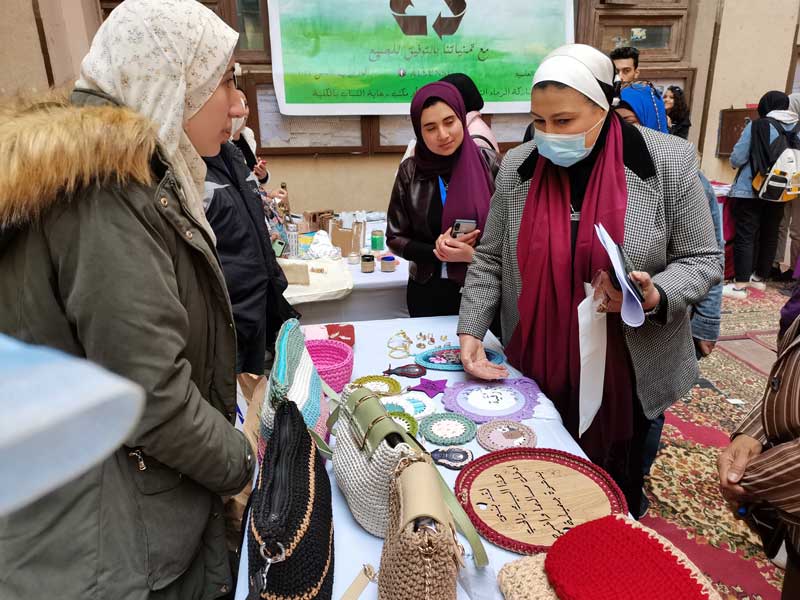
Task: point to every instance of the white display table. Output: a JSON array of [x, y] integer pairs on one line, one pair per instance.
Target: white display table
[[374, 296], [353, 545]]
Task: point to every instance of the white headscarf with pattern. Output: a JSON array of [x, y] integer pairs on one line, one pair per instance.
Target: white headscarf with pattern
[[164, 59]]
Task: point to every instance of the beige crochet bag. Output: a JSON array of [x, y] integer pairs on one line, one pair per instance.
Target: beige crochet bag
[[369, 446], [421, 555]]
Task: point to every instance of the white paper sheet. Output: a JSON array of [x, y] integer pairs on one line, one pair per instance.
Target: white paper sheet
[[592, 337], [632, 312]]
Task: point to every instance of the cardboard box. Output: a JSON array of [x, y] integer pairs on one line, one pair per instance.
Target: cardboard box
[[348, 240], [311, 220]]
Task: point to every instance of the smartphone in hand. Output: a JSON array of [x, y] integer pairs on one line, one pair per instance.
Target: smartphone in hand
[[463, 227], [634, 285], [278, 246]]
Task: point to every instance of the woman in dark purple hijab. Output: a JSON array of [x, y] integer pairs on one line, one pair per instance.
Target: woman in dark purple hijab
[[440, 201]]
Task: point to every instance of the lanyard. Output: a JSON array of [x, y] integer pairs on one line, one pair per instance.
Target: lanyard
[[442, 190]]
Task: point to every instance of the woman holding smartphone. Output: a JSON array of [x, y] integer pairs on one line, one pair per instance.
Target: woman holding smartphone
[[440, 201]]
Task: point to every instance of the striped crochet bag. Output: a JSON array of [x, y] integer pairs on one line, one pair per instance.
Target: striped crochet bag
[[294, 378]]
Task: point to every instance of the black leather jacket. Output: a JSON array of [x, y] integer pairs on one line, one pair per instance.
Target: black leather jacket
[[414, 217]]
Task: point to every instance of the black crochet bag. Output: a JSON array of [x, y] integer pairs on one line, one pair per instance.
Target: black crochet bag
[[290, 543]]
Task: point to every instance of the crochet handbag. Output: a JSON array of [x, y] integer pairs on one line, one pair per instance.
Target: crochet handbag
[[291, 528], [421, 555], [369, 447], [294, 378]]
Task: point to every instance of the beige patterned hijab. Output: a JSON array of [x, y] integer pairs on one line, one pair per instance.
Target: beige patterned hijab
[[164, 59]]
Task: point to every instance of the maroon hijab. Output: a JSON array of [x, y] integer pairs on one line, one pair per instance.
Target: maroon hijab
[[545, 344], [471, 183]]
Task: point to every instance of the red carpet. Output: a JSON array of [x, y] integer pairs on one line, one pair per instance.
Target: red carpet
[[685, 503]]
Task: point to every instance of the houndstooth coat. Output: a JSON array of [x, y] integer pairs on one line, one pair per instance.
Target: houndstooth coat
[[668, 233]]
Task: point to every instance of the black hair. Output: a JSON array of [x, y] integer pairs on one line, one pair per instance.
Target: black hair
[[679, 110], [431, 101], [626, 52], [473, 101], [608, 90]]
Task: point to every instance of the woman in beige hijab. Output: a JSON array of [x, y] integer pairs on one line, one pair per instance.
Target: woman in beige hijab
[[105, 253]]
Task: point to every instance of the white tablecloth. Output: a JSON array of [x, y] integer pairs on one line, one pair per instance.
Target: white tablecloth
[[375, 296], [354, 546], [333, 283]]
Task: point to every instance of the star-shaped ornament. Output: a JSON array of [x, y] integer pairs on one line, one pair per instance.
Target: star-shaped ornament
[[431, 387]]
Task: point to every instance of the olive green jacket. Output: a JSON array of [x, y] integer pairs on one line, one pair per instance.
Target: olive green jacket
[[100, 258]]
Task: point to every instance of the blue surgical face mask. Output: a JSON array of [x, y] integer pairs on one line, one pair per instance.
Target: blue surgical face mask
[[564, 149]]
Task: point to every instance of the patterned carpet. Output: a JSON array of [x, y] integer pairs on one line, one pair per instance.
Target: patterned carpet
[[686, 506]]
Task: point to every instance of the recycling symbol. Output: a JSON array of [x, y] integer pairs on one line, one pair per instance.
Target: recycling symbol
[[418, 24]]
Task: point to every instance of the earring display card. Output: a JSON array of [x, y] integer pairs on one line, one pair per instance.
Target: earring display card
[[511, 399]]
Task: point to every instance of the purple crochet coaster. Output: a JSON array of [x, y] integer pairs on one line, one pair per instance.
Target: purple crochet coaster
[[483, 401]]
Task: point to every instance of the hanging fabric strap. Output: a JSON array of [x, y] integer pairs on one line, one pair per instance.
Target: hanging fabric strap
[[442, 190], [365, 576]]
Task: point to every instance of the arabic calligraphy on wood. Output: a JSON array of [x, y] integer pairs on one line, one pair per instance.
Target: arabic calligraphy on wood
[[524, 499]]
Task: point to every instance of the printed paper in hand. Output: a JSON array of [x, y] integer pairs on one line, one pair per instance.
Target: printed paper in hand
[[632, 311]]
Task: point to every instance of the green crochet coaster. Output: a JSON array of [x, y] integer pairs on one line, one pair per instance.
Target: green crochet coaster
[[447, 429], [406, 421]]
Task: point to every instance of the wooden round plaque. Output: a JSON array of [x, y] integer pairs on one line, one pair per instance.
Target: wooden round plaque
[[523, 499]]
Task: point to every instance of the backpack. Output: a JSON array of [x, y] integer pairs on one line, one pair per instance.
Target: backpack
[[781, 183]]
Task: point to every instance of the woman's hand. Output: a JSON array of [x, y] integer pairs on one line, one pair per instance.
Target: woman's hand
[[278, 194], [611, 298], [260, 169], [732, 463], [473, 357], [652, 297], [448, 249]]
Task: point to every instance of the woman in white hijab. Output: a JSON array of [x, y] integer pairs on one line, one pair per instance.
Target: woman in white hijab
[[105, 253], [540, 253]]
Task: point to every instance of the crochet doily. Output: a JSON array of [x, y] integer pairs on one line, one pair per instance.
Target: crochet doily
[[447, 429], [417, 404], [406, 421], [500, 435], [380, 384], [482, 401]]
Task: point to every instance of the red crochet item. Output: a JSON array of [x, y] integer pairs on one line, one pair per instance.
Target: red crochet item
[[616, 559]]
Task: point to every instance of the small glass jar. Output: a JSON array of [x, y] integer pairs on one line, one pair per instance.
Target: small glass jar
[[388, 264], [367, 263], [377, 240]]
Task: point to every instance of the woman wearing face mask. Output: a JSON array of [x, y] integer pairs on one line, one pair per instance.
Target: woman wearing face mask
[[119, 267], [447, 182], [586, 166]]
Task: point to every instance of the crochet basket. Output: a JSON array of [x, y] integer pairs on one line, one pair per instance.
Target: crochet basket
[[334, 362]]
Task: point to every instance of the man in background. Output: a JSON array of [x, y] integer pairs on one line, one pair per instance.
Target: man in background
[[626, 62]]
